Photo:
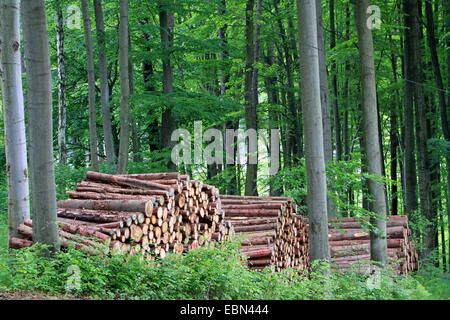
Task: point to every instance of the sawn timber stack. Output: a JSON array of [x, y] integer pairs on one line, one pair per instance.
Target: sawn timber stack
[[350, 245], [272, 234], [151, 213]]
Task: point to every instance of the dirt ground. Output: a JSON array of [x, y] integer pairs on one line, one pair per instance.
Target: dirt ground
[[23, 295]]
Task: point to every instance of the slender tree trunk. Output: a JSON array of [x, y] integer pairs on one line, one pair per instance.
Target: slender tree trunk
[[439, 84], [314, 154], [337, 122], [415, 71], [104, 86], [250, 111], [166, 21], [272, 99], [447, 45], [256, 56], [296, 103], [324, 94], [437, 71], [148, 73], [134, 125], [222, 34], [91, 85], [124, 89], [378, 245], [13, 116], [410, 175], [393, 135], [345, 131], [62, 148], [324, 101], [294, 130], [39, 90]]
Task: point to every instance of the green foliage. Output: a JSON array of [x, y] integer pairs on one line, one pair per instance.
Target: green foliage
[[293, 179], [66, 178], [205, 273]]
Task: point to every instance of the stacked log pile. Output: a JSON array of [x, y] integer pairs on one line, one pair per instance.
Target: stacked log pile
[[152, 213], [168, 212], [272, 234], [350, 245]]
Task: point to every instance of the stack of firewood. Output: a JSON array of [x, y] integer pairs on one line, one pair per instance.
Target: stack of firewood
[[350, 245], [271, 234], [151, 213], [168, 212]]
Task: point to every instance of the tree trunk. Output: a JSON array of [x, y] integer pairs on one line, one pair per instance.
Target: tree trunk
[[345, 130], [250, 111], [91, 85], [124, 89], [324, 100], [371, 146], [393, 137], [293, 130], [415, 73], [337, 122], [148, 73], [39, 91], [104, 86], [13, 116], [436, 70], [410, 175], [447, 45], [166, 21], [134, 125], [439, 83], [314, 152], [272, 99], [62, 148]]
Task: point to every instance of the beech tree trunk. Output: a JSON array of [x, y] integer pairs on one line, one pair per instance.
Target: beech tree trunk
[[166, 21], [272, 99], [324, 99], [416, 73], [410, 175], [314, 152], [250, 111], [104, 86], [91, 84], [13, 116], [293, 129], [39, 91], [371, 146], [124, 89], [443, 105], [62, 148], [337, 122], [393, 136]]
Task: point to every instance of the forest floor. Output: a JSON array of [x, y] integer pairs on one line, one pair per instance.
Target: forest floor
[[27, 295]]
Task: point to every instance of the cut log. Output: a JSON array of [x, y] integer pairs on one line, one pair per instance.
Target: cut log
[[18, 243], [107, 205], [125, 181]]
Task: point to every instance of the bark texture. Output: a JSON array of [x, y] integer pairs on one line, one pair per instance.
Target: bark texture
[[39, 91], [314, 154], [104, 86], [13, 116], [371, 146], [91, 85]]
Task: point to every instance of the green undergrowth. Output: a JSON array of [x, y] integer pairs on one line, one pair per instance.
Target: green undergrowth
[[205, 273]]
